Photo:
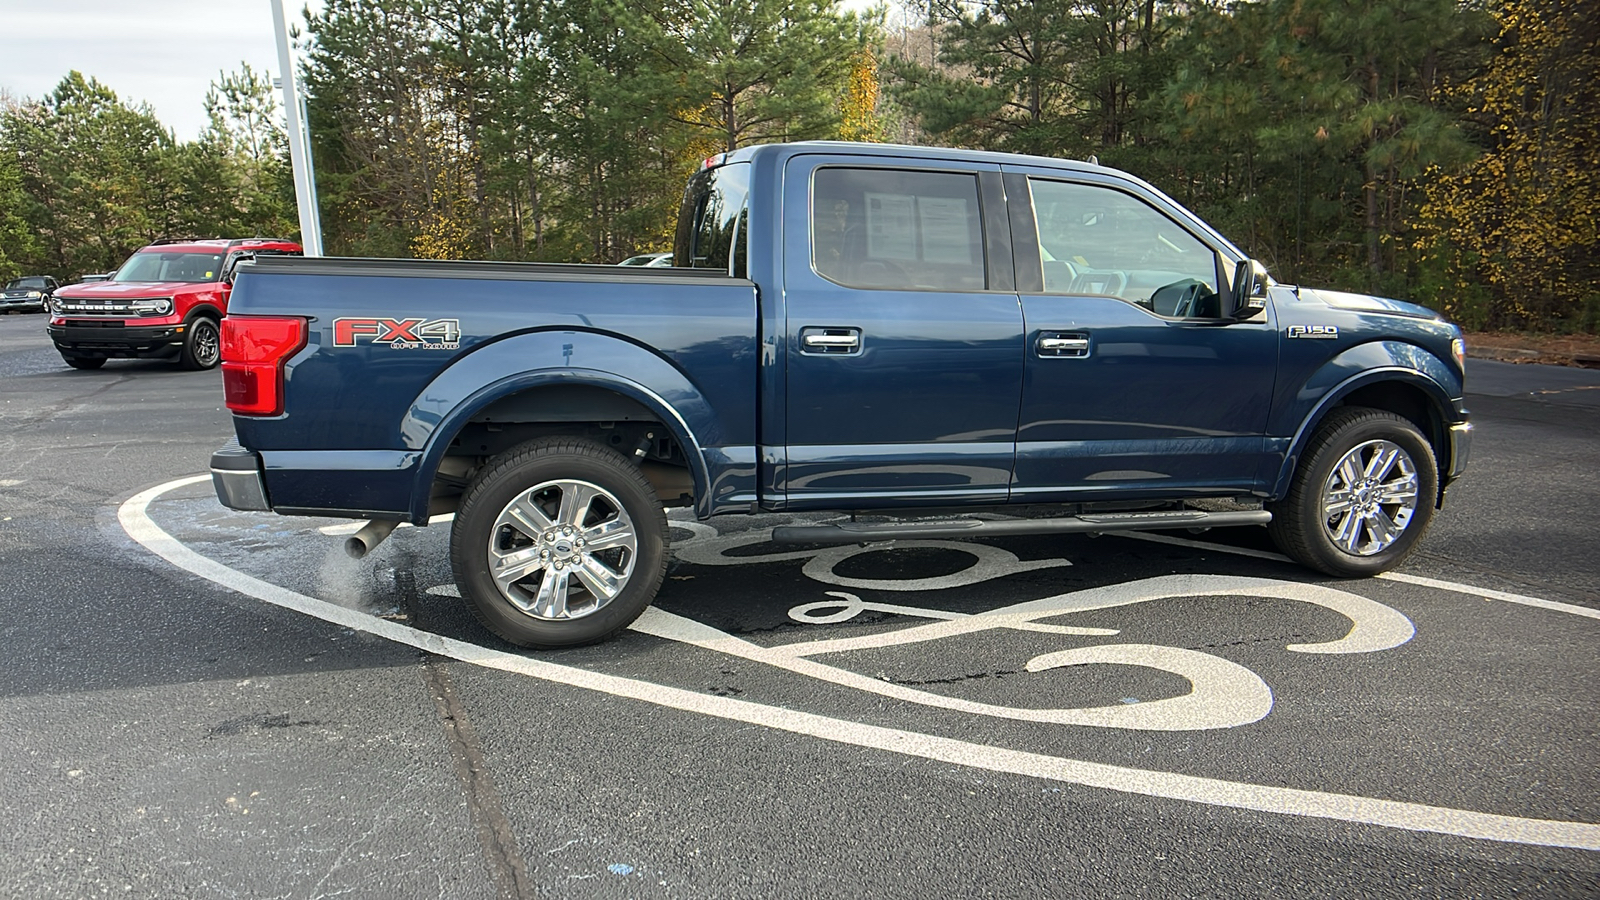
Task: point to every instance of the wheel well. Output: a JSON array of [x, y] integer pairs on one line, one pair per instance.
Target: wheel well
[[1410, 403], [596, 414]]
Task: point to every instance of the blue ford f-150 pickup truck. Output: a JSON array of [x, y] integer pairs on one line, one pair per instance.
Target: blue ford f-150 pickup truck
[[915, 333]]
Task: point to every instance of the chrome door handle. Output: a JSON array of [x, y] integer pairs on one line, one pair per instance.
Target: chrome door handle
[[1070, 345], [833, 341], [1063, 344], [830, 341]]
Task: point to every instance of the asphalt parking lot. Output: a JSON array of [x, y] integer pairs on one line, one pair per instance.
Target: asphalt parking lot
[[197, 702]]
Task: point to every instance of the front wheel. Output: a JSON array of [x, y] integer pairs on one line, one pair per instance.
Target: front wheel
[[202, 346], [559, 542], [1362, 496]]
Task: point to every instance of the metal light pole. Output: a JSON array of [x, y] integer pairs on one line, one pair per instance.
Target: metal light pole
[[294, 107]]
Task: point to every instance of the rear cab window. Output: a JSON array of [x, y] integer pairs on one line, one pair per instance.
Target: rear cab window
[[713, 225]]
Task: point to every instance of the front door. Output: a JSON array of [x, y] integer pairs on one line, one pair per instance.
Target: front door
[[903, 335], [1135, 383]]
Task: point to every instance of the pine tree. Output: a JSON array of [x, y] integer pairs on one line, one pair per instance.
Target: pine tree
[[244, 150], [751, 71], [97, 175], [1304, 128], [1047, 77], [18, 248]]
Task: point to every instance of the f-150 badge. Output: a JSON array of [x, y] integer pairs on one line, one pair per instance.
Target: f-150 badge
[[398, 334], [1313, 331]]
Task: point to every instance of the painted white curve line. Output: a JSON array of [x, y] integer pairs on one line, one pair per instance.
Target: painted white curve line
[[135, 520], [1452, 586], [1224, 694]]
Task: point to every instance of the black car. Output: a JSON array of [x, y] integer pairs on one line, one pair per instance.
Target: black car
[[30, 293]]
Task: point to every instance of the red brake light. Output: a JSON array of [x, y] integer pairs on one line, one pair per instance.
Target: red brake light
[[254, 350]]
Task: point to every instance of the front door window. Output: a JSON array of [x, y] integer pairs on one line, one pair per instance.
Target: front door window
[[1097, 241]]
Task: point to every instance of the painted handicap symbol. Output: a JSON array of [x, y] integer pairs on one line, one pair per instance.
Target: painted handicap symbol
[[1224, 694], [852, 606]]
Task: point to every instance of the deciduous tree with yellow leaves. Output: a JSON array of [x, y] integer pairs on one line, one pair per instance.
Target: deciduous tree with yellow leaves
[[1513, 241]]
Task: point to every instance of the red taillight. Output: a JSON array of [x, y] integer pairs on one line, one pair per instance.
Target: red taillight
[[254, 349]]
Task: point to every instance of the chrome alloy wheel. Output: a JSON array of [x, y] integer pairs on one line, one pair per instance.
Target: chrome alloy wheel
[[562, 549], [1369, 498]]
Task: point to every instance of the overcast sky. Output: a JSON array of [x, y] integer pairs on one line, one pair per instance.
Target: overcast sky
[[162, 52]]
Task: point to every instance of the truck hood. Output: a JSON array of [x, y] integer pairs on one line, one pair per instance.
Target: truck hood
[[1370, 304], [126, 290]]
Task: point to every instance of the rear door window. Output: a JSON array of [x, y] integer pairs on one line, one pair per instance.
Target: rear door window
[[890, 229]]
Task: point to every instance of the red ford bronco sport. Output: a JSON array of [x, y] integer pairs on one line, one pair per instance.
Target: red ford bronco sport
[[167, 301]]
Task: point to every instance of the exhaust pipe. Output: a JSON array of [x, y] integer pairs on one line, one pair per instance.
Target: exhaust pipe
[[370, 536]]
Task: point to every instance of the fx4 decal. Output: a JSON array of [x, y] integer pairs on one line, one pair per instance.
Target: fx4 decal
[[1313, 331], [398, 334]]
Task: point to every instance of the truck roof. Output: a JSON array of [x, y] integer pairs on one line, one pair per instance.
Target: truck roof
[[901, 151]]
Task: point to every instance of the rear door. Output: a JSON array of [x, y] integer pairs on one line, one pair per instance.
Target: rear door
[[902, 334]]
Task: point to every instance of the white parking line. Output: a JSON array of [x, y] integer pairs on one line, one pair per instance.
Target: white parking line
[[1471, 590], [136, 521]]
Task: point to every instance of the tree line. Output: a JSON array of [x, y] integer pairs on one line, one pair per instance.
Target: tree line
[[1446, 151], [86, 179]]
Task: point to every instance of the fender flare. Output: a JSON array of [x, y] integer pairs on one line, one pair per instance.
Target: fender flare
[[547, 358], [1407, 364], [207, 310]]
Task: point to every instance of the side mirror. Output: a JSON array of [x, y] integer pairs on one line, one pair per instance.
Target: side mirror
[[1249, 297]]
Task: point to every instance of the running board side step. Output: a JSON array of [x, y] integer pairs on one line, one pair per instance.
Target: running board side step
[[860, 532]]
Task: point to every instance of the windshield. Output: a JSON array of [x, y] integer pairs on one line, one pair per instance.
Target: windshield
[[34, 283], [171, 266]]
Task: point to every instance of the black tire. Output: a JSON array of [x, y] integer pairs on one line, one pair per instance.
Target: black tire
[[202, 345], [558, 601], [85, 362], [1367, 528]]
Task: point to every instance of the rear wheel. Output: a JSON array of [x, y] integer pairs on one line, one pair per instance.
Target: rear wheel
[[1362, 496], [559, 542], [85, 362], [202, 345]]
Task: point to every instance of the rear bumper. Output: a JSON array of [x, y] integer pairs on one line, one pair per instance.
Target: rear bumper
[[113, 338], [236, 476], [354, 484]]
